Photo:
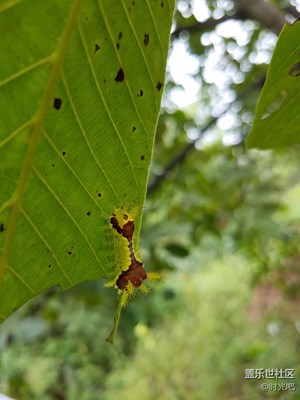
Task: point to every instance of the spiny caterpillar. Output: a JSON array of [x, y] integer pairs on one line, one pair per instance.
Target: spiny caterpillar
[[134, 276]]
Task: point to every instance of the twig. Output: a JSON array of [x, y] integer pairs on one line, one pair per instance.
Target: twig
[[181, 156]]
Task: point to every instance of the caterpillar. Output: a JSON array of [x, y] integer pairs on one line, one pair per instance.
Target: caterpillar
[[134, 275]]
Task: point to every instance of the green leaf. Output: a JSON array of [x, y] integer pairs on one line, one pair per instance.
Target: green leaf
[[277, 117], [80, 92]]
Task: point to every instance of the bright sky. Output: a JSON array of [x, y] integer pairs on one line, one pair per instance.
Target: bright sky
[[182, 65]]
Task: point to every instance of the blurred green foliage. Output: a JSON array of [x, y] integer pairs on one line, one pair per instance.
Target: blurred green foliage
[[230, 302]]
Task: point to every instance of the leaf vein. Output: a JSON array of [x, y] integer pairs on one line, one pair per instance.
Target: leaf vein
[[157, 33], [119, 58], [24, 71], [11, 136], [74, 173], [22, 280], [37, 231], [85, 137], [104, 102], [8, 4], [68, 213]]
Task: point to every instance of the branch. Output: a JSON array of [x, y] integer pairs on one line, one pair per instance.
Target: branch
[[267, 15], [205, 26], [244, 12], [189, 147], [181, 156]]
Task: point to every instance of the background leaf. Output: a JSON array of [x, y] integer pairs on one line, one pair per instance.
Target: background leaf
[[277, 118], [81, 87]]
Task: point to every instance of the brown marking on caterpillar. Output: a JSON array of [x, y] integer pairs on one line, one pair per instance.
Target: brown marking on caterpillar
[[135, 273]]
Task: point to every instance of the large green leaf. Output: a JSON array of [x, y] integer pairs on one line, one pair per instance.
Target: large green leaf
[[277, 116], [80, 92]]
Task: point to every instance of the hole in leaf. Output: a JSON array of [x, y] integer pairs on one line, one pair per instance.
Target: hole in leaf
[[120, 76], [158, 85], [146, 39], [57, 103], [295, 70]]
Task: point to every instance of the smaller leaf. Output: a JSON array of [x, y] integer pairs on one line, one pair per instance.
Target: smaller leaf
[[277, 118]]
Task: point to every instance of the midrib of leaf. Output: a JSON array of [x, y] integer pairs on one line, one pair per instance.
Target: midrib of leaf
[[37, 122]]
